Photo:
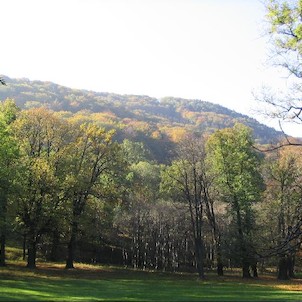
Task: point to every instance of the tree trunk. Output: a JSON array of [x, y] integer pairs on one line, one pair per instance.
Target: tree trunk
[[3, 231], [219, 269], [246, 269], [255, 270], [219, 260], [291, 266], [32, 254], [283, 269], [24, 246], [70, 253], [54, 246], [242, 243], [199, 254], [71, 246], [2, 251]]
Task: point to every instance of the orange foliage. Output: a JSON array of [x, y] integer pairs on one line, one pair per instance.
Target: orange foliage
[[137, 125], [156, 134], [189, 115], [104, 117]]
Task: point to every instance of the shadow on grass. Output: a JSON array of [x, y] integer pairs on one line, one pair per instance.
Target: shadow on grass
[[35, 289]]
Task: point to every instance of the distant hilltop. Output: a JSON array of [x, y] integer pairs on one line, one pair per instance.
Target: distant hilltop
[[139, 116]]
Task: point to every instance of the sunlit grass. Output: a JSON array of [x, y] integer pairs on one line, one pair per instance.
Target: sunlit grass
[[91, 283], [14, 253]]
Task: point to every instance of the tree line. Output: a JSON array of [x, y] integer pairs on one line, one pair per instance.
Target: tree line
[[70, 191]]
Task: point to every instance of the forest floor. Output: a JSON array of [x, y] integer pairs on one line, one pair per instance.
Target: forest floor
[[51, 282]]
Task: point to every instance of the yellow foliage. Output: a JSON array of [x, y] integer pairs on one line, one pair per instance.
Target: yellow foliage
[[175, 134]]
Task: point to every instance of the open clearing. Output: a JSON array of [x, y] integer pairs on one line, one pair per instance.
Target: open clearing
[[90, 283]]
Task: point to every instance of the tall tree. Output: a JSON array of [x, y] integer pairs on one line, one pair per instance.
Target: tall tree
[[186, 181], [285, 29], [93, 164], [282, 210], [285, 33], [8, 167], [42, 138], [239, 181]]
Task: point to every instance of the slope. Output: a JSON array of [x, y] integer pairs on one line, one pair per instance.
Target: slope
[[158, 123]]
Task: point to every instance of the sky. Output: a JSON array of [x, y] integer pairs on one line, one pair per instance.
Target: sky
[[212, 50]]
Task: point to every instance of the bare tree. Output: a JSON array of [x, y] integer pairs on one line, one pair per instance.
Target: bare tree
[[284, 30]]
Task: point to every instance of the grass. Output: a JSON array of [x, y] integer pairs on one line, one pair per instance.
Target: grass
[[13, 253], [96, 283]]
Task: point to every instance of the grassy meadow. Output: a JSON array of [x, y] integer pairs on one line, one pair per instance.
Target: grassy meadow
[[51, 282]]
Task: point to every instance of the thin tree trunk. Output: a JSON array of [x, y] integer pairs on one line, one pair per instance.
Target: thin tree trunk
[[219, 260], [254, 269], [2, 247], [217, 242], [54, 246], [24, 246], [3, 232], [199, 255], [243, 250]]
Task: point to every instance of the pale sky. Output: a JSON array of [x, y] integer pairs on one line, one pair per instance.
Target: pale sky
[[213, 50]]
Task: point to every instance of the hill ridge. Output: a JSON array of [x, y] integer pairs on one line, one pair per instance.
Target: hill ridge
[[167, 117]]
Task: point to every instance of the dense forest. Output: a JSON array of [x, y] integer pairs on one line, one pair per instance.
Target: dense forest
[[167, 184], [159, 124]]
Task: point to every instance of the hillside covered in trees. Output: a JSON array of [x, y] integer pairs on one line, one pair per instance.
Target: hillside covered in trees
[[153, 184], [70, 191], [158, 123], [167, 184]]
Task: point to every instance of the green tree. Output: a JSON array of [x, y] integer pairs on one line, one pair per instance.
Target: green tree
[[42, 138], [282, 210], [93, 165], [285, 29], [285, 33], [134, 152], [238, 179], [8, 167], [143, 195]]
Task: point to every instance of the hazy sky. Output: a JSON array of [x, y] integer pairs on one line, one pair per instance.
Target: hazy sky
[[213, 50]]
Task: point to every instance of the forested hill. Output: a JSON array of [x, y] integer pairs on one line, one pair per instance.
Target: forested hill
[[138, 116]]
